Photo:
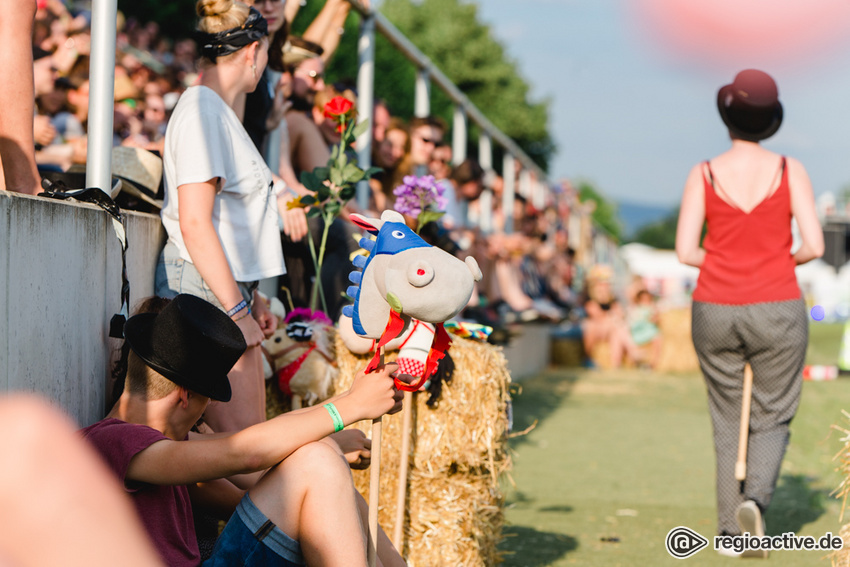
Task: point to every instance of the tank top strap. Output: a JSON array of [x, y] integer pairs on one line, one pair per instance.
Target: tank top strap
[[708, 180]]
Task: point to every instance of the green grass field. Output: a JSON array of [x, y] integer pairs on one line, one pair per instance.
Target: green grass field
[[619, 458]]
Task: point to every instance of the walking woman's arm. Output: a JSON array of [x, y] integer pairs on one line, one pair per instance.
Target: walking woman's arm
[[195, 209], [691, 219], [803, 209]]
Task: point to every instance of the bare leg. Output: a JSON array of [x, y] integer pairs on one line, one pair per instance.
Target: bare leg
[[56, 486], [618, 348], [310, 497], [657, 343], [17, 99], [247, 406], [387, 554]]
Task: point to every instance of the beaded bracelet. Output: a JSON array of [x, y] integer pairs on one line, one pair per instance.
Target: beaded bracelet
[[247, 312], [339, 425], [239, 307]]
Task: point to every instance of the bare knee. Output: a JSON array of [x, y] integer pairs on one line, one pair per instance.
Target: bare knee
[[319, 462]]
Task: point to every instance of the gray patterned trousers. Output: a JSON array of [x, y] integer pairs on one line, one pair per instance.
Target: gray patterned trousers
[[772, 337]]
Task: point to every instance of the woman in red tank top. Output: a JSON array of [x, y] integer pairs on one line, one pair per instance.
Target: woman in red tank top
[[747, 304]]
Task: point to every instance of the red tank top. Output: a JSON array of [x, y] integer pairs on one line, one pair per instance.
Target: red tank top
[[748, 255]]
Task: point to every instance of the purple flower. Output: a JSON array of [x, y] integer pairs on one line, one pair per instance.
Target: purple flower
[[417, 194]]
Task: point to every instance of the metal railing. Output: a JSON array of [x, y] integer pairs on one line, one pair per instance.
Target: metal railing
[[532, 179]]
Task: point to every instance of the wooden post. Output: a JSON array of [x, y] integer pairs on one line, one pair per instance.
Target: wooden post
[[743, 436], [375, 486], [403, 464]]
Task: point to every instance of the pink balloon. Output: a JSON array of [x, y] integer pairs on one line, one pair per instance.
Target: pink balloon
[[745, 32]]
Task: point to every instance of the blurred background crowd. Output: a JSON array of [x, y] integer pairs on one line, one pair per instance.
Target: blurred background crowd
[[549, 267]]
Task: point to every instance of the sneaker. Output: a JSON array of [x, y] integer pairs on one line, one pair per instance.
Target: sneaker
[[750, 520]]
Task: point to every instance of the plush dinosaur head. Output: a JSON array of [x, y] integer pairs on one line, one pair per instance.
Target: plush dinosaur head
[[405, 274]]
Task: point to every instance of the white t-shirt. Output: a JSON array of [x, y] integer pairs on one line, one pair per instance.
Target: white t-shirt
[[205, 140]]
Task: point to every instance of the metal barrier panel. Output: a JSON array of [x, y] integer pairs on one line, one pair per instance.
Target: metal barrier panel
[[59, 288]]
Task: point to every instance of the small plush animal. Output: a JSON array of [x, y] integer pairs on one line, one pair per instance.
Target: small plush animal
[[301, 355], [405, 278]]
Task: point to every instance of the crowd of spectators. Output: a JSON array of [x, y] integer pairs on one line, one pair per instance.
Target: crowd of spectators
[[530, 273]]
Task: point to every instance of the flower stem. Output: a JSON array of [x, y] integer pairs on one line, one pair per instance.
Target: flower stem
[[317, 290], [328, 218]]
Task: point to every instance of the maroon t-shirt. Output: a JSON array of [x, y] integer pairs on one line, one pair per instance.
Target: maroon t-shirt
[[165, 510]]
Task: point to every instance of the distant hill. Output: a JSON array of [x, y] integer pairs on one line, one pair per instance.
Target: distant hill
[[636, 215]]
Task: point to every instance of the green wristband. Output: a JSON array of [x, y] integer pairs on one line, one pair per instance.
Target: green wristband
[[338, 423]]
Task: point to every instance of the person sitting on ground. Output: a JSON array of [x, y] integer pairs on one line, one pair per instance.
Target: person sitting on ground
[[605, 325], [178, 362], [643, 325]]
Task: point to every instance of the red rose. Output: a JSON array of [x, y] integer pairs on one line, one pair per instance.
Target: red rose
[[338, 106]]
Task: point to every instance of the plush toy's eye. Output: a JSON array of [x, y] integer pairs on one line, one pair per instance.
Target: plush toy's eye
[[398, 234], [278, 339]]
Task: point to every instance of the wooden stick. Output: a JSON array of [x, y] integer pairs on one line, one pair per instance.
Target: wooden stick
[[375, 486], [403, 464], [746, 399]]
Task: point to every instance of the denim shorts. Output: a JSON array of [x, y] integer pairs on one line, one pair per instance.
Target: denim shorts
[[175, 275], [252, 540]]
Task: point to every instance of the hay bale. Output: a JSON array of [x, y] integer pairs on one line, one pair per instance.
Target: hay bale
[[841, 558], [458, 453], [677, 348], [567, 352]]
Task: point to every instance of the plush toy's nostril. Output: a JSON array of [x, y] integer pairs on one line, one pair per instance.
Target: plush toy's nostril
[[420, 274]]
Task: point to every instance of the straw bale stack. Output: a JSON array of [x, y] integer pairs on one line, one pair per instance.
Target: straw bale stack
[[841, 558], [459, 451]]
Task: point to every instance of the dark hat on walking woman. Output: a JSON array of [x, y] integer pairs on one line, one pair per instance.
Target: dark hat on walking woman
[[191, 342], [750, 106]]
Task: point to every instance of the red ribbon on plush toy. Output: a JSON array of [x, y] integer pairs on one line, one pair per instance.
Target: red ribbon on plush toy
[[395, 326], [285, 374]]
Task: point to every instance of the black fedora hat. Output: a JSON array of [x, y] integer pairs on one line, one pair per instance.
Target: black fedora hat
[[191, 342], [750, 106]]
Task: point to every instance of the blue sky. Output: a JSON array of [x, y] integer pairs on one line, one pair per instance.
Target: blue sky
[[633, 114]]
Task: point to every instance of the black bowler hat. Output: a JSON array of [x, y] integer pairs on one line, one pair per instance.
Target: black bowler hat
[[191, 342], [750, 106]]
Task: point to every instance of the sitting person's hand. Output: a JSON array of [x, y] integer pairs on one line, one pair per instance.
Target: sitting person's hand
[[355, 447], [375, 394]]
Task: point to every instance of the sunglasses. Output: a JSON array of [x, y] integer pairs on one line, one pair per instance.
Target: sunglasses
[[315, 75]]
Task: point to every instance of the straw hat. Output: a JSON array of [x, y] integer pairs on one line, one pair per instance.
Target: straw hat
[[140, 172], [297, 50], [124, 88]]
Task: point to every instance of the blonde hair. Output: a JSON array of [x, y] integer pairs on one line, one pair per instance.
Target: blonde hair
[[220, 15], [145, 382]]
